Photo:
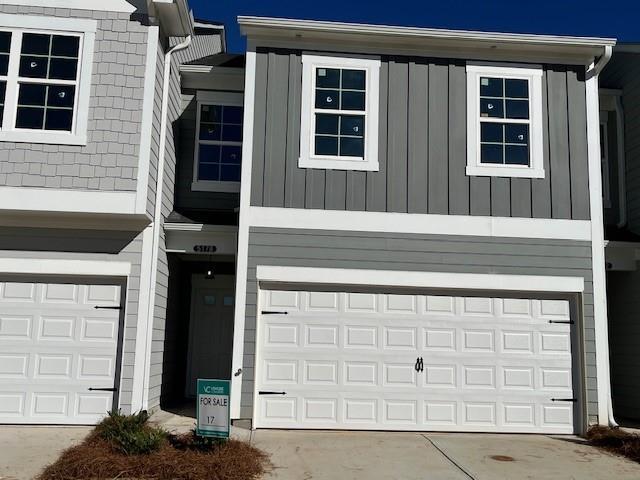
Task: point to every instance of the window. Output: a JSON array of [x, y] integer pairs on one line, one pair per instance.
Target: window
[[339, 128], [218, 149], [604, 160], [504, 121], [45, 74]]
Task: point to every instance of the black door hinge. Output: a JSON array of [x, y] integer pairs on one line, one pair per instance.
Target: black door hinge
[[108, 307], [262, 392], [113, 389], [567, 322], [574, 400], [273, 312]]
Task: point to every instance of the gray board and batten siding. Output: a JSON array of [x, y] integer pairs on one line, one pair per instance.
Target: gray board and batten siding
[[422, 146], [413, 252]]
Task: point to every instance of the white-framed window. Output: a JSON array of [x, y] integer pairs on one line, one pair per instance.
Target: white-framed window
[[504, 121], [604, 160], [45, 78], [340, 102], [218, 143]]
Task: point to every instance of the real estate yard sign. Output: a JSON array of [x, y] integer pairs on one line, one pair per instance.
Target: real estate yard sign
[[213, 408]]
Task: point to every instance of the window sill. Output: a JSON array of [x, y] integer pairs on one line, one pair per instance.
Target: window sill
[[495, 171], [213, 186], [329, 163], [53, 138]]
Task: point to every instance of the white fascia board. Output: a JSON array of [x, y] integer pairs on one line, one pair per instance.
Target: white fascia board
[[146, 128], [70, 201], [391, 278], [555, 229], [119, 6], [45, 266]]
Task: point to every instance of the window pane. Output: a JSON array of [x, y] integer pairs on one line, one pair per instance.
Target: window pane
[[352, 125], [491, 132], [63, 68], [210, 131], [327, 78], [516, 88], [516, 155], [490, 107], [491, 154], [32, 94], [5, 42], [209, 153], [209, 171], [61, 96], [491, 87], [351, 147], [327, 99], [327, 123], [517, 133], [58, 119], [352, 101], [231, 133], [517, 109], [230, 173], [33, 67], [4, 64], [326, 145], [3, 90], [231, 154], [65, 46], [232, 114], [35, 43], [29, 117], [211, 113], [353, 79]]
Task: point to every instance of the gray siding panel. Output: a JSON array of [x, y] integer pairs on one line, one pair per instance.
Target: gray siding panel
[[412, 252], [422, 146]]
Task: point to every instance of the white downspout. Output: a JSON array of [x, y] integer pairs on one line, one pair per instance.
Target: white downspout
[[622, 164], [597, 240], [157, 215]]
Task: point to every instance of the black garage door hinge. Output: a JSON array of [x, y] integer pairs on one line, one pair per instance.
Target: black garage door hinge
[[574, 400], [568, 322], [113, 389], [262, 392], [108, 307], [273, 312]]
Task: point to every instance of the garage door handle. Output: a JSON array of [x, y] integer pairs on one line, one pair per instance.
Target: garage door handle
[[262, 392], [91, 389], [574, 400]]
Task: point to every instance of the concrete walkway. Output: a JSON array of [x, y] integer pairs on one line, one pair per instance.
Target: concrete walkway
[[307, 455]]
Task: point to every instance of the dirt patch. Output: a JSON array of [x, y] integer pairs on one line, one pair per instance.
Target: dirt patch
[[615, 440], [184, 457]]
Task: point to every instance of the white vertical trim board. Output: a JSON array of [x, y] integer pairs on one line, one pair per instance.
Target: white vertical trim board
[[243, 233], [146, 128]]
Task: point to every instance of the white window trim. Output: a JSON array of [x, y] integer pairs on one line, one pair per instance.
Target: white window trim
[[308, 159], [606, 180], [533, 73], [213, 98]]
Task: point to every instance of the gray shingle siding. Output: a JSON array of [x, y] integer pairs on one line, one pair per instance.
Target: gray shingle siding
[[412, 252], [109, 161]]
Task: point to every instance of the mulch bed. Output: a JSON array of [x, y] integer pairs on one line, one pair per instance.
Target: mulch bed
[[180, 457], [615, 440]]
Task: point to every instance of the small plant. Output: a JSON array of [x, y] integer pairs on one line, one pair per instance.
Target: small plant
[[131, 434]]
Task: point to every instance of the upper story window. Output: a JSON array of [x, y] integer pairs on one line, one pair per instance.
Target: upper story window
[[45, 75], [604, 159], [339, 124], [218, 149], [504, 121]]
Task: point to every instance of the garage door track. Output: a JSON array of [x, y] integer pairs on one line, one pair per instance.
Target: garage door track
[[320, 455]]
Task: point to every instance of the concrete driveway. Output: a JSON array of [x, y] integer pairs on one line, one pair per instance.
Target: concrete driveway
[[307, 455]]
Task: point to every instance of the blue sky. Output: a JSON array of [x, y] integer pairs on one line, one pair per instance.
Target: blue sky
[[611, 18]]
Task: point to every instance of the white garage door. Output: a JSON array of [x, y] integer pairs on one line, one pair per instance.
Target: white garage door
[[413, 362], [54, 347]]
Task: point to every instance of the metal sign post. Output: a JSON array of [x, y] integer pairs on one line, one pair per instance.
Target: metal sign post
[[213, 417]]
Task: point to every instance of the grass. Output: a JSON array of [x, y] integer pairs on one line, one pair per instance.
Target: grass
[[615, 440], [127, 447]]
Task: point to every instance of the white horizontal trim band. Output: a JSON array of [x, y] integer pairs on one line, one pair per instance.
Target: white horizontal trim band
[[98, 5], [386, 278], [81, 25], [553, 229], [56, 200], [40, 266]]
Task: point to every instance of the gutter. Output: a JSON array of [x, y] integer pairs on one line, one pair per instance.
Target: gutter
[[157, 217]]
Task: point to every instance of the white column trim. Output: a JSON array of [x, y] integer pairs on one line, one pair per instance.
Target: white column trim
[[146, 128], [50, 266], [399, 278], [555, 229], [243, 233]]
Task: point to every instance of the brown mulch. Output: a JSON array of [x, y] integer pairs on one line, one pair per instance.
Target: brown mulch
[[615, 440], [178, 458]]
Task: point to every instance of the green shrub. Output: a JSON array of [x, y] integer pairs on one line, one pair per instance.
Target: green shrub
[[131, 434]]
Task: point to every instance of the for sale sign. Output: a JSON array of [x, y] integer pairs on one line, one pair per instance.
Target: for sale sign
[[213, 408]]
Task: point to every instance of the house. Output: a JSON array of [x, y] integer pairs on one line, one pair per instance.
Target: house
[[619, 103], [362, 227]]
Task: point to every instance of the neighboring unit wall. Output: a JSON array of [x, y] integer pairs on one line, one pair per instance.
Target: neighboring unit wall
[[109, 161], [422, 146], [612, 210], [411, 252], [624, 337]]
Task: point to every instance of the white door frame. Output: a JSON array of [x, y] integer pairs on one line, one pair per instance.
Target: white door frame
[[341, 278]]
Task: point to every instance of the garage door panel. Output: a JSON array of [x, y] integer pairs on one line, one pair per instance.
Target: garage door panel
[[488, 364]]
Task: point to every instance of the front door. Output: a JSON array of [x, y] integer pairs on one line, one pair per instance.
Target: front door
[[210, 329]]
